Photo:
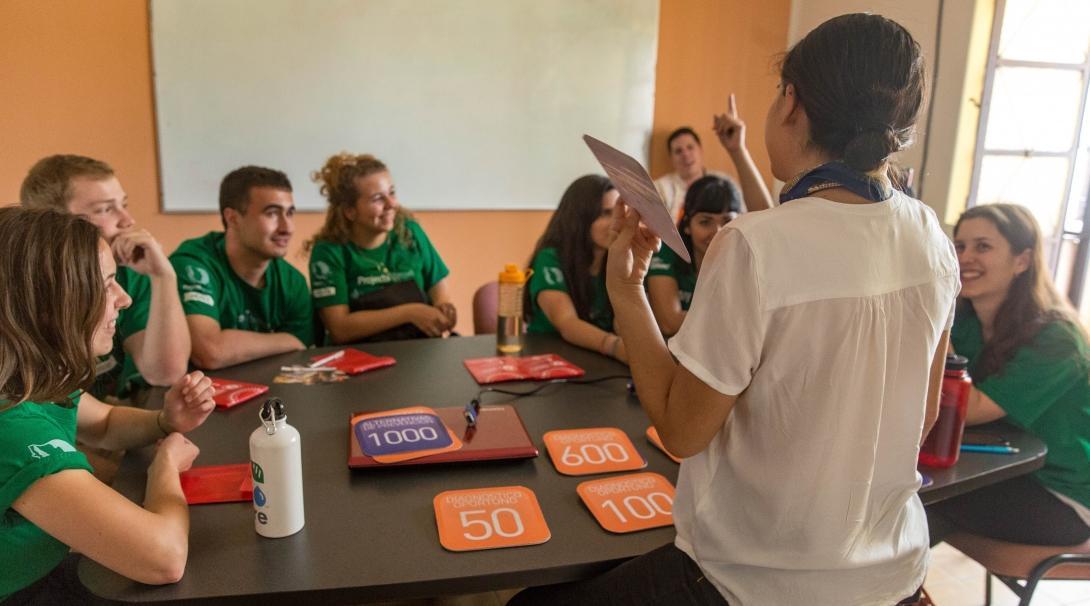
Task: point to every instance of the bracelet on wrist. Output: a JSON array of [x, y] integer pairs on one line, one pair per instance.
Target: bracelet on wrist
[[603, 347], [613, 347], [159, 423]]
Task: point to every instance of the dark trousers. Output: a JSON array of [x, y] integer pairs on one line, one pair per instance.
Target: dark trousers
[[1019, 510], [663, 577]]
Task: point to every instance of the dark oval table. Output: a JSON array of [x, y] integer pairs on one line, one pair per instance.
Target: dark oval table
[[370, 535]]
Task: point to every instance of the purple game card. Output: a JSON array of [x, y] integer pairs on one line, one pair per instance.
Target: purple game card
[[397, 434]]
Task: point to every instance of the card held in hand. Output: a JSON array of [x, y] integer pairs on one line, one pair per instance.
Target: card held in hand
[[638, 191]]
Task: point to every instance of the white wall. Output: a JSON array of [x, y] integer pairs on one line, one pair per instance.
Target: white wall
[[472, 105]]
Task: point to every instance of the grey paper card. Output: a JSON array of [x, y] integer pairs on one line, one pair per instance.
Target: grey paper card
[[638, 191]]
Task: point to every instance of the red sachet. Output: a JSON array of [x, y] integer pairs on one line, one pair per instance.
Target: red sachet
[[354, 361], [230, 393], [217, 484], [544, 367]]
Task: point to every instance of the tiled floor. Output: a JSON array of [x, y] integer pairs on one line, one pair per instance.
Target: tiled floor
[[955, 580]]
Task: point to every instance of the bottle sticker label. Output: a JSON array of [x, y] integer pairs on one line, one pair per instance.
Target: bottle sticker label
[[489, 518], [258, 473], [630, 503], [259, 497], [578, 452]]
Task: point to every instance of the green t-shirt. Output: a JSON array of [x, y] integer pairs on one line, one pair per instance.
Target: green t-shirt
[[549, 276], [667, 263], [1044, 389], [209, 287], [116, 374], [341, 273], [36, 440]]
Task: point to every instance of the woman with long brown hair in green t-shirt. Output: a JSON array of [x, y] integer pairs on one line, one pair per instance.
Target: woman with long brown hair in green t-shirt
[[60, 299], [1030, 364]]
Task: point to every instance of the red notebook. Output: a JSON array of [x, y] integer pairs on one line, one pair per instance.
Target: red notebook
[[354, 361], [499, 435], [544, 367], [230, 393], [217, 484]]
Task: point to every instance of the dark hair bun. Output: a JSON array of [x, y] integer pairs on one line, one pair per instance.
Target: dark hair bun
[[870, 148], [860, 78]]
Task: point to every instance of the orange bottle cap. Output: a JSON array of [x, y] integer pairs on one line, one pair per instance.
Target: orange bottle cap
[[512, 274]]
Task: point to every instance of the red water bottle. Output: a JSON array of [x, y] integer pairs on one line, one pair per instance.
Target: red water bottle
[[942, 445]]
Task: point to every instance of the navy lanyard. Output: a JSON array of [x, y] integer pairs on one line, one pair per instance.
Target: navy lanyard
[[835, 174]]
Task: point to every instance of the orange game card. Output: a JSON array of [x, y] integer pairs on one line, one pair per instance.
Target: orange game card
[[404, 430], [629, 503], [489, 518], [653, 437], [580, 452]]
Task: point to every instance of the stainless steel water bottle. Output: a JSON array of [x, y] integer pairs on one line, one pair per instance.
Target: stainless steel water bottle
[[276, 463]]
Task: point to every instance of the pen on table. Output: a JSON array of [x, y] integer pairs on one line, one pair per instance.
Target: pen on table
[[989, 448], [327, 359]]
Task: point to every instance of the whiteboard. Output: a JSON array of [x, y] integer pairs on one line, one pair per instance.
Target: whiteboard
[[472, 104]]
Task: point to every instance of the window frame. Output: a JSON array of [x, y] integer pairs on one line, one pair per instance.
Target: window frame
[[1081, 266]]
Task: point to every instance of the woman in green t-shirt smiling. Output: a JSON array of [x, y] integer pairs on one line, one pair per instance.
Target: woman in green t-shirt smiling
[[374, 274], [61, 299], [1030, 364], [710, 203], [567, 293]]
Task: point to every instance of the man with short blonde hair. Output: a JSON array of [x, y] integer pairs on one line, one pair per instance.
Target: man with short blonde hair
[[151, 345]]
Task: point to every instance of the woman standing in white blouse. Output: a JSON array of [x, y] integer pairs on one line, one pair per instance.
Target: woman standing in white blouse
[[808, 365]]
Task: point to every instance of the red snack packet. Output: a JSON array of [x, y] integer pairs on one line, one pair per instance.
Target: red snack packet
[[353, 361], [230, 393], [544, 367], [217, 484]]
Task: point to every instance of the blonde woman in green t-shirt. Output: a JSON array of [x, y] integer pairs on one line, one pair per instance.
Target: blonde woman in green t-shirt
[[61, 300], [1030, 364], [374, 273], [567, 294]]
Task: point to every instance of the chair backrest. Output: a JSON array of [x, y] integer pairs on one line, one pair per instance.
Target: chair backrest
[[485, 302]]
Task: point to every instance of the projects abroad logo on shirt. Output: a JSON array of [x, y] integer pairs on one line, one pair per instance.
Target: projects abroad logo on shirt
[[321, 270], [553, 276], [197, 275], [55, 446]]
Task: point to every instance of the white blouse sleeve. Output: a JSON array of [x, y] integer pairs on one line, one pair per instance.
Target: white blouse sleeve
[[722, 337]]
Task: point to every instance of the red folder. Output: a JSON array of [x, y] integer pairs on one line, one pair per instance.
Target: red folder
[[354, 361], [544, 367], [217, 484], [498, 435], [230, 393]]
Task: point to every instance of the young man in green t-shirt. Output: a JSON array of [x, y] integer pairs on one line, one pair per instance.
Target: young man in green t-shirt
[[151, 345], [242, 300]]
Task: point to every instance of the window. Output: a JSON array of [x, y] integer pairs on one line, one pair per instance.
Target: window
[[1033, 146]]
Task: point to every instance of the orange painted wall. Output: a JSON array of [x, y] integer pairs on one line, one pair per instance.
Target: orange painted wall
[[76, 78]]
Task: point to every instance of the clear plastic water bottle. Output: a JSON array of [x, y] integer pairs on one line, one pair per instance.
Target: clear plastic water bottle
[[509, 310], [276, 463]]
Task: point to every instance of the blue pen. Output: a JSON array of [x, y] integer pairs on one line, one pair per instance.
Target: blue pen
[[989, 448]]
